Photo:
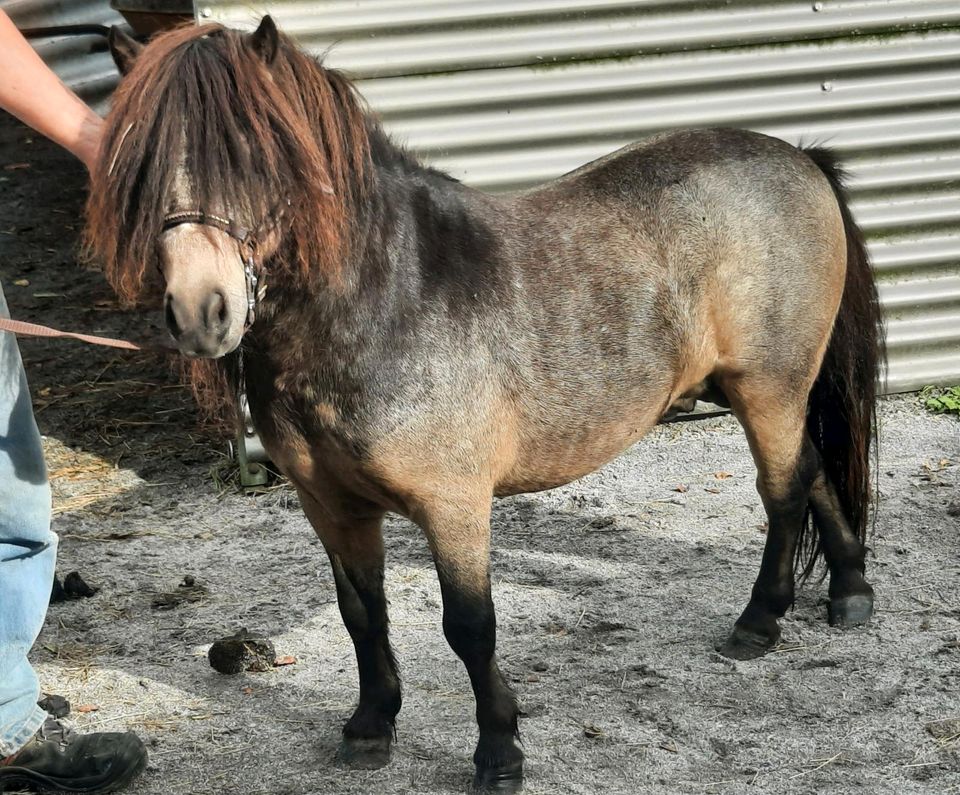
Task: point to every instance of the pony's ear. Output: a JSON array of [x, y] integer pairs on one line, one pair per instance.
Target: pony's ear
[[124, 49], [265, 40]]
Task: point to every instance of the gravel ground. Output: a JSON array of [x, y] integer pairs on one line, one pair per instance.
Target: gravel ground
[[611, 592]]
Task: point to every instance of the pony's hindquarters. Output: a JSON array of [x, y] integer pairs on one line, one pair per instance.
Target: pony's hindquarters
[[809, 420]]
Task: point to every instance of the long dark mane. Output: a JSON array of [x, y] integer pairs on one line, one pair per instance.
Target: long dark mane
[[250, 135]]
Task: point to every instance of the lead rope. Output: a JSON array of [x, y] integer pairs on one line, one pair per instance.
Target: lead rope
[[23, 329]]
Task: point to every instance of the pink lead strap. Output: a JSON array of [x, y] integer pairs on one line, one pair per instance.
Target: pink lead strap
[[21, 328]]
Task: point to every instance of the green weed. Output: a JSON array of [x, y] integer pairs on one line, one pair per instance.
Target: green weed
[[942, 400]]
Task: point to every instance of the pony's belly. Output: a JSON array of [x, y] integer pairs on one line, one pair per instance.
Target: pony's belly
[[556, 459]]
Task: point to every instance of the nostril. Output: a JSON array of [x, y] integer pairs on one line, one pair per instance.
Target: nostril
[[215, 310], [171, 318]]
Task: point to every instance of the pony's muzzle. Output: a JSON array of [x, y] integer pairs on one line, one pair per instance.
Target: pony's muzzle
[[206, 289], [200, 328]]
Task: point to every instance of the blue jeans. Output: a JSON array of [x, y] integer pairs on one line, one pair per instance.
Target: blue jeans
[[28, 549]]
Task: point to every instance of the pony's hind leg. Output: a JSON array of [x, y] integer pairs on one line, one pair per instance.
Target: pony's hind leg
[[851, 597], [354, 545], [459, 538], [774, 422]]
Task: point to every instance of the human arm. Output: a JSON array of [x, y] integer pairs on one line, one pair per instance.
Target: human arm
[[35, 95]]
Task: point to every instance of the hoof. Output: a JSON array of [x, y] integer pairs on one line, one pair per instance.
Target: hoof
[[365, 753], [499, 779], [850, 611], [745, 644]]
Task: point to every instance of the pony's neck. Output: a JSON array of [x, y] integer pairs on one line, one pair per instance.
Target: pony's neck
[[427, 256], [410, 216], [387, 155]]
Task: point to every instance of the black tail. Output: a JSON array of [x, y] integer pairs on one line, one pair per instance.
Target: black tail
[[842, 411]]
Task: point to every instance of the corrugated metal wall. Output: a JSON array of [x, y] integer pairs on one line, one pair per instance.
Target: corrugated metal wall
[[82, 62], [507, 93]]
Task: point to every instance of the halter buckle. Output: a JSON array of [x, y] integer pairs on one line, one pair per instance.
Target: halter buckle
[[252, 281]]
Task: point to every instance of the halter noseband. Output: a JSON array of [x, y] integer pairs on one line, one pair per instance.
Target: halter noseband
[[245, 244]]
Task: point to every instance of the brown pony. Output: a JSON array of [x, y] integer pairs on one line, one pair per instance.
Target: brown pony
[[409, 344]]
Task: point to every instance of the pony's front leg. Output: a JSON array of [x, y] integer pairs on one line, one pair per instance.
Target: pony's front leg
[[459, 538], [354, 544]]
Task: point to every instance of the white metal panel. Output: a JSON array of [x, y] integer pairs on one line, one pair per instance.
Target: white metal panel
[[504, 128], [392, 37]]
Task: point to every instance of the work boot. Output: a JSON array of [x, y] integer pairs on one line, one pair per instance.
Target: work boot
[[59, 760]]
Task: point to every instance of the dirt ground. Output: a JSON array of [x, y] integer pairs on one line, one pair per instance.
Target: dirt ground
[[611, 592]]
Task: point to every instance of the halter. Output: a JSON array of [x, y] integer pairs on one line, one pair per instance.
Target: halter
[[246, 245]]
